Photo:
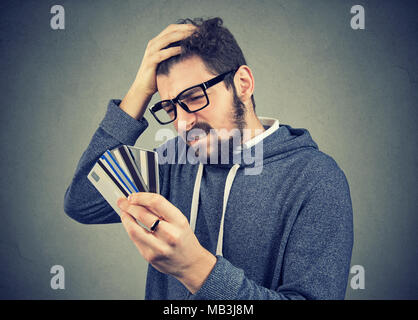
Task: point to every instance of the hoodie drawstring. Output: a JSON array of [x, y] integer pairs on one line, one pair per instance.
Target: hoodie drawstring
[[228, 184], [195, 202], [195, 199]]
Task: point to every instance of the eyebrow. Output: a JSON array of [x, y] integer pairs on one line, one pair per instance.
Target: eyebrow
[[185, 96]]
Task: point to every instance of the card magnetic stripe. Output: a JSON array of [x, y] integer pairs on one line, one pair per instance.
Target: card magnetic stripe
[[151, 171], [131, 169], [113, 178], [123, 172], [116, 173]]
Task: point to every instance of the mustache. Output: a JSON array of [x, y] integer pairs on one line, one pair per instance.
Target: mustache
[[194, 131]]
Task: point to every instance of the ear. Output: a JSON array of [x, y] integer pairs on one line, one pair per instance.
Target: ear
[[244, 83]]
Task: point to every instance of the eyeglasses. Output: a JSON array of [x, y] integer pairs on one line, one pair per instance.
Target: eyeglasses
[[192, 99]]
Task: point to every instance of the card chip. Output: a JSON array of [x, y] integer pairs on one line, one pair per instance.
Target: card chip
[[95, 176]]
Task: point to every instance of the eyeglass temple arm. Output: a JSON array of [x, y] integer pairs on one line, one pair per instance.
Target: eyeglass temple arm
[[218, 79]]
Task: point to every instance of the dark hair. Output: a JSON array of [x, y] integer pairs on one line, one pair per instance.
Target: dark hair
[[214, 44]]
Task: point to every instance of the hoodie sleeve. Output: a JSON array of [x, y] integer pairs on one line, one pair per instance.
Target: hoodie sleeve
[[317, 257], [82, 201]]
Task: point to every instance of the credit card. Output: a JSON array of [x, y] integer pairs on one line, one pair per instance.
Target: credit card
[[115, 170], [146, 162], [131, 165], [124, 170], [109, 187]]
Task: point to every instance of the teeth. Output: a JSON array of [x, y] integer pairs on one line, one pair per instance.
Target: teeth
[[196, 137]]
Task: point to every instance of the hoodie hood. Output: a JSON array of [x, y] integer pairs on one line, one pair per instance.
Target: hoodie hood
[[275, 143], [282, 141]]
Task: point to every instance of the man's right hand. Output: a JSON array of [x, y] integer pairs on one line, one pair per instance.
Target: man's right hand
[[144, 86]]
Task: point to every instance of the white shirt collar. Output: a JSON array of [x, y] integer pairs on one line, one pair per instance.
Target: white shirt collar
[[273, 125]]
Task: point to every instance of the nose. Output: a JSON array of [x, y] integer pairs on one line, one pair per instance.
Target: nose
[[185, 119]]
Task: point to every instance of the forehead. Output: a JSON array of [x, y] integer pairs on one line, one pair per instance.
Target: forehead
[[182, 75]]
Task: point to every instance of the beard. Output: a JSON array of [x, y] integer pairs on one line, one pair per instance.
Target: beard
[[221, 150]]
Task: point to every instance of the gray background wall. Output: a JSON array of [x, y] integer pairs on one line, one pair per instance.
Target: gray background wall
[[356, 92]]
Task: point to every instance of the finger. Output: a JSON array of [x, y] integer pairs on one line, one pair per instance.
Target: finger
[[139, 237], [176, 27], [167, 53], [168, 233], [142, 214], [159, 205], [128, 222], [171, 37], [164, 40], [138, 234], [149, 246]]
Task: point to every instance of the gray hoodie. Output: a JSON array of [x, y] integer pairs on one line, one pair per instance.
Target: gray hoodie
[[285, 232]]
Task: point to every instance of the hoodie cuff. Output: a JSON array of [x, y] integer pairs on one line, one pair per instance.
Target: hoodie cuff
[[223, 283], [121, 125]]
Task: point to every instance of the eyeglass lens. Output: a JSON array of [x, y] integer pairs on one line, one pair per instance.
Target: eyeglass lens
[[194, 98]]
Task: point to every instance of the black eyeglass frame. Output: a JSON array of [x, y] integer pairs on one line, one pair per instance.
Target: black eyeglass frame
[[204, 86]]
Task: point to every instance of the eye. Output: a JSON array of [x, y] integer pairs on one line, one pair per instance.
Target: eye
[[197, 97]]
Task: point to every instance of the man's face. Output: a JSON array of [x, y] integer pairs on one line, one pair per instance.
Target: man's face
[[221, 113]]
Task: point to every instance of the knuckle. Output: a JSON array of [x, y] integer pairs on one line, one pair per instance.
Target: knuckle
[[132, 233], [154, 200], [134, 197], [173, 239], [183, 223], [150, 44], [161, 253], [158, 56], [129, 209], [154, 60], [150, 257]]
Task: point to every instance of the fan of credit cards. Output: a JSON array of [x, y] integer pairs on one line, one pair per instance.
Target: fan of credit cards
[[125, 170]]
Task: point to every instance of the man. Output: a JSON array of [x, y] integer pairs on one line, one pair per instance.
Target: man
[[283, 231]]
